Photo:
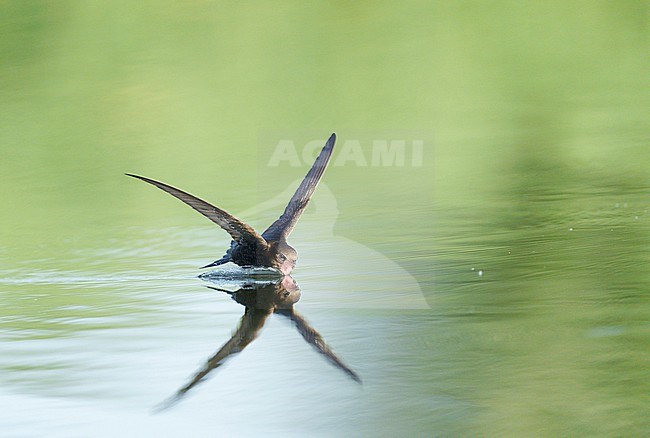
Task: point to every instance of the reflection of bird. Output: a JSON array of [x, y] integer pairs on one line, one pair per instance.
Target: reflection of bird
[[262, 299], [248, 248]]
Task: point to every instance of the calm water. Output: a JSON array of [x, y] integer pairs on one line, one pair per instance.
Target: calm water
[[495, 284]]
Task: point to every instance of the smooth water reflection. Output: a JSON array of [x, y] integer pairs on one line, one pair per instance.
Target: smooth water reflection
[[261, 299]]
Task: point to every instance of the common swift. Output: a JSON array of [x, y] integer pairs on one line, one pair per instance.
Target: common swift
[[248, 247]]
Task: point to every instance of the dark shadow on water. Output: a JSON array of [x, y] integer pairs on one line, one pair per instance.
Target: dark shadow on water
[[261, 299]]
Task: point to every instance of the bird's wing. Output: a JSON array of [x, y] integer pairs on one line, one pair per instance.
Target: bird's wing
[[236, 228], [251, 323], [285, 223], [314, 339]]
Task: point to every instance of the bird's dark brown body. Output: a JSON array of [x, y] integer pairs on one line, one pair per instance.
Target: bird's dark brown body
[[248, 248]]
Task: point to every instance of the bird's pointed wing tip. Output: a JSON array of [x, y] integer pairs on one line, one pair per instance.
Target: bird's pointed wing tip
[[332, 138], [145, 179], [166, 404]]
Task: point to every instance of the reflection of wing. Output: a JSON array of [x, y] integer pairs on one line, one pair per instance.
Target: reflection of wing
[[249, 326], [314, 339], [236, 228], [283, 226]]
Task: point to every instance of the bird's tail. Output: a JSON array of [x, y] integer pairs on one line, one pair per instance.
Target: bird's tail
[[221, 261]]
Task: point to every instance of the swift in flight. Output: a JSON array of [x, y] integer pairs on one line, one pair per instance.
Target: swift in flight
[[248, 247]]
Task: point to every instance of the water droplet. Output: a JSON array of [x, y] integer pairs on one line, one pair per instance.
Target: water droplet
[[480, 273], [472, 269], [571, 229], [636, 218]]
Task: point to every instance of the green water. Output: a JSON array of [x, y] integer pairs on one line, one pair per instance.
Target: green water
[[496, 286]]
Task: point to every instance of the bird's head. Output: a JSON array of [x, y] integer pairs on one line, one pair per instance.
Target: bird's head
[[285, 258], [287, 293]]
